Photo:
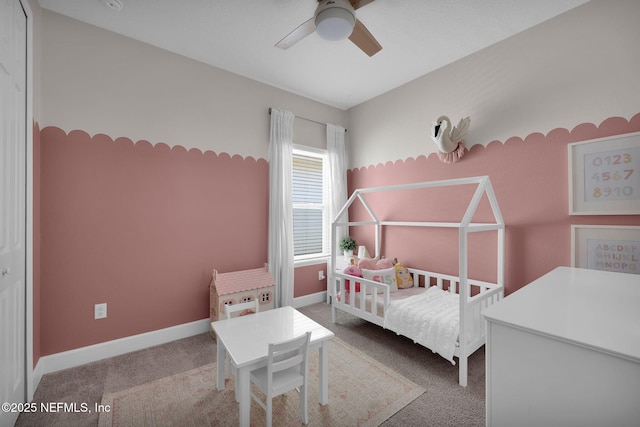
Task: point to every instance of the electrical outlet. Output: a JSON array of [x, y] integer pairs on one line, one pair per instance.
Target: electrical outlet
[[100, 311], [320, 275]]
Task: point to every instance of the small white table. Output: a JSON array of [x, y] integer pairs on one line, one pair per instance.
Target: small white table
[[246, 340]]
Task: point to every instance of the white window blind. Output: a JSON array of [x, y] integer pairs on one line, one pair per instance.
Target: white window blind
[[310, 222]]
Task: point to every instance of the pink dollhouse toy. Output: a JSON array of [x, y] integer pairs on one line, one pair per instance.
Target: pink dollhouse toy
[[241, 286]]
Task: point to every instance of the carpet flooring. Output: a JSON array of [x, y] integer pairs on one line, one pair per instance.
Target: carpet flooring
[[365, 397], [444, 403]]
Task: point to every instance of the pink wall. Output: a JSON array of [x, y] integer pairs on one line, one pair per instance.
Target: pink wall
[[139, 227], [530, 181], [306, 280]]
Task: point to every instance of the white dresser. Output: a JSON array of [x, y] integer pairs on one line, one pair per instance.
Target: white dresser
[[565, 351]]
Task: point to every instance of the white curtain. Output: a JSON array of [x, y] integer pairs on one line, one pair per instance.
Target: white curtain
[[280, 205], [336, 154]]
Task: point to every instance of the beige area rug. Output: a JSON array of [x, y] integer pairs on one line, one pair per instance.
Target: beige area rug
[[362, 392]]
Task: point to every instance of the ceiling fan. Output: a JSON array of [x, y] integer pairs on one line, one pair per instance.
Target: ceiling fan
[[335, 20]]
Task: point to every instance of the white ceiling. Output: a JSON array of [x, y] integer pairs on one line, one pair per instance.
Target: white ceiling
[[417, 37]]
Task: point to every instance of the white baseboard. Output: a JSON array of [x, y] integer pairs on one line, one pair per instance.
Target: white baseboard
[[93, 353], [309, 299], [80, 356]]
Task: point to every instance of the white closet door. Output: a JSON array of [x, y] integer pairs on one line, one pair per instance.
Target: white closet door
[[13, 54]]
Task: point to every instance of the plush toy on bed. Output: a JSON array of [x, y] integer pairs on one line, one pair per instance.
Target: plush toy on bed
[[373, 264], [403, 277], [352, 270], [381, 271]]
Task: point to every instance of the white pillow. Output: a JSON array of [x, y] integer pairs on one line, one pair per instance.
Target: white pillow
[[386, 276]]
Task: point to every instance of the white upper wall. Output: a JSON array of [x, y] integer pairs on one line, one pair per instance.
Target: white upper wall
[[582, 66], [100, 82]]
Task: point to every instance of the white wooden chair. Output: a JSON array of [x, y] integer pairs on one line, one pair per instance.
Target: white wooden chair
[[248, 308], [286, 370], [252, 305]]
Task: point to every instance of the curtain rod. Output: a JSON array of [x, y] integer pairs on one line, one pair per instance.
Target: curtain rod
[[304, 118]]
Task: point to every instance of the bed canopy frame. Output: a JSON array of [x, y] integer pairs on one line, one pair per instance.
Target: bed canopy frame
[[470, 305], [465, 226]]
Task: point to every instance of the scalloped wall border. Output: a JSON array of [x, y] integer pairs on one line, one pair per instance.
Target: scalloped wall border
[[584, 131], [530, 178], [140, 227], [51, 131]]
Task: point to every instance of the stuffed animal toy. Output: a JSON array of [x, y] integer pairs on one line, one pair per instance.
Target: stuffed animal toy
[[352, 270], [372, 264], [403, 278], [384, 263], [367, 263]]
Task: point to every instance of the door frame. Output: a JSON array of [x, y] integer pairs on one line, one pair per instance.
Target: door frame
[[29, 122]]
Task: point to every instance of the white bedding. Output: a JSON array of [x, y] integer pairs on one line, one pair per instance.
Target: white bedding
[[431, 319]]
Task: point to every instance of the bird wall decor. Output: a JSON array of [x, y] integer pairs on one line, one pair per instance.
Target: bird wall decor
[[449, 140]]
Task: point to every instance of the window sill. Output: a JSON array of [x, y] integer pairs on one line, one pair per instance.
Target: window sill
[[304, 262]]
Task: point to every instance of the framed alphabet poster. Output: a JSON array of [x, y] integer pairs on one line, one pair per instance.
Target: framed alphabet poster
[[606, 247], [604, 176]]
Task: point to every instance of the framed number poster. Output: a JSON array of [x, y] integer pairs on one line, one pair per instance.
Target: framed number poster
[[606, 247], [604, 176]]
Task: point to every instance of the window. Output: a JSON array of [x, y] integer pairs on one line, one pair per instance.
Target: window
[[310, 204]]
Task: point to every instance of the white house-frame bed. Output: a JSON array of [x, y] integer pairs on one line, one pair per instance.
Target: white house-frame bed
[[375, 302]]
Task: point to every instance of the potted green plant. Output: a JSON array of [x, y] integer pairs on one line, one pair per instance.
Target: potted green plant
[[348, 245]]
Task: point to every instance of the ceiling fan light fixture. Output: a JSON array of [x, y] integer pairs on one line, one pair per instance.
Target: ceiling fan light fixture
[[335, 21]]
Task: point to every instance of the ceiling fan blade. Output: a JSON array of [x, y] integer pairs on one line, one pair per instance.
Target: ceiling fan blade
[[298, 34], [362, 38], [357, 4]]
